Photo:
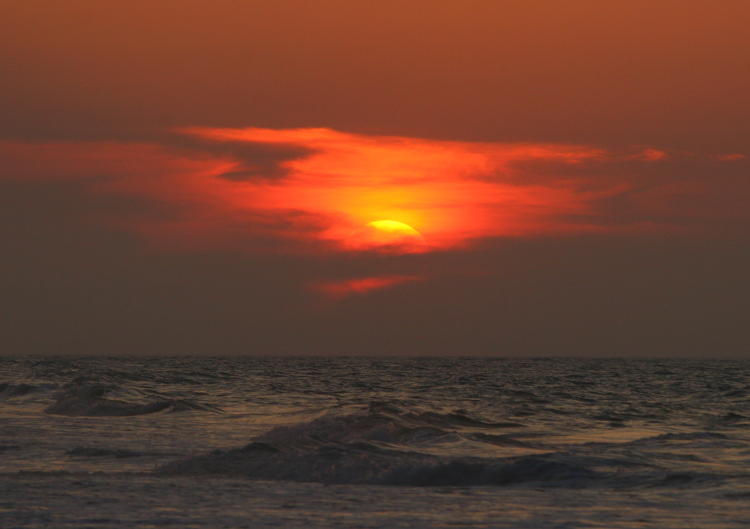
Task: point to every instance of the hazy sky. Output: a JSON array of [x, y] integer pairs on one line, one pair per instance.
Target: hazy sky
[[394, 177]]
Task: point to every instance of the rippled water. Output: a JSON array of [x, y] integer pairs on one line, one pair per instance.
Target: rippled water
[[343, 442]]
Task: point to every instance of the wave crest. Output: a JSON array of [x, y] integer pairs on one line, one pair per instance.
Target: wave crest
[[370, 448]]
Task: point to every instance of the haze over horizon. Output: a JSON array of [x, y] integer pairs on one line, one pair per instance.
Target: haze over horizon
[[399, 178]]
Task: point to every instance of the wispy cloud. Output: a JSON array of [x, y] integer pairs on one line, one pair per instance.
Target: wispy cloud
[[343, 288]]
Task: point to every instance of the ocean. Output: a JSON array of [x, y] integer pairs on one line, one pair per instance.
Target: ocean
[[340, 442]]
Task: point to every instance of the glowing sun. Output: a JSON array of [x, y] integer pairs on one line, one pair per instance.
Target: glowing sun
[[394, 227], [387, 235]]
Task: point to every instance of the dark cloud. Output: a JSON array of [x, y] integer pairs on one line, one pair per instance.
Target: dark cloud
[[255, 161]]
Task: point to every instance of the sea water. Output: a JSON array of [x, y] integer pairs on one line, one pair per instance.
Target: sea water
[[367, 442]]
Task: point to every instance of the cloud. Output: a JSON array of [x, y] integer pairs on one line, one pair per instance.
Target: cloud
[[339, 289], [732, 157], [192, 203], [142, 247], [322, 192], [651, 155], [450, 192]]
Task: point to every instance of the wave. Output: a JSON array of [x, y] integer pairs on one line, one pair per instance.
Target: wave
[[362, 463], [390, 445], [9, 390], [372, 448], [90, 451], [118, 453], [88, 400], [390, 425], [686, 436], [351, 429]]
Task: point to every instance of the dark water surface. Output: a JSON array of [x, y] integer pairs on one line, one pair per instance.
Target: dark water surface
[[345, 442]]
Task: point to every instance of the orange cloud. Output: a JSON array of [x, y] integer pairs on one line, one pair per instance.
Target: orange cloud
[[326, 192], [320, 190], [449, 192], [337, 290], [651, 155], [193, 203], [732, 157]]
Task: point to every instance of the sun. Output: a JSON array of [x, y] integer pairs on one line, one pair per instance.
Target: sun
[[394, 227], [388, 235]]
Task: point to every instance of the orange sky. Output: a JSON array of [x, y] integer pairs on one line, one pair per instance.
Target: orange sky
[[281, 134], [581, 71]]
